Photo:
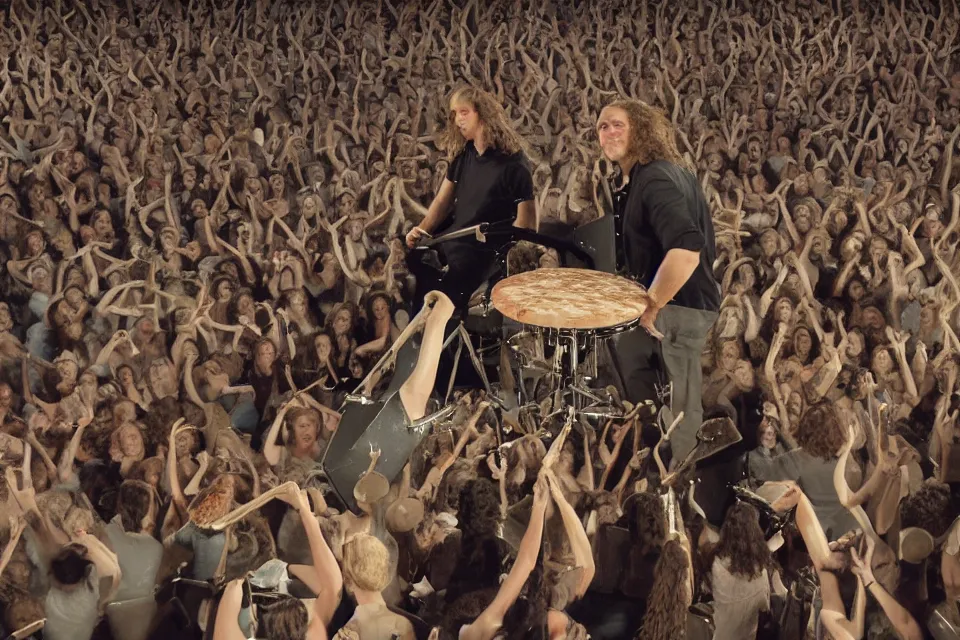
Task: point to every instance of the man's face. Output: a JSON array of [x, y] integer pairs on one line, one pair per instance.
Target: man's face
[[466, 118], [613, 129]]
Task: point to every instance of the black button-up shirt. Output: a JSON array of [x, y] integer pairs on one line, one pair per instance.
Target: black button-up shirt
[[662, 207]]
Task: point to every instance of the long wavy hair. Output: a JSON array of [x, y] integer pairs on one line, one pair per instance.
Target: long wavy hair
[[666, 616], [652, 136], [498, 133], [646, 522], [741, 543]]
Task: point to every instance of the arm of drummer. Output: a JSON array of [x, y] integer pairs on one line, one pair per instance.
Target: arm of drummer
[[677, 232], [527, 215]]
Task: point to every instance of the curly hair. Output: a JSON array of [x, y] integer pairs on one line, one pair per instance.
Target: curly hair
[[498, 132], [742, 543], [820, 431], [452, 484], [666, 616], [464, 610], [522, 257], [931, 508], [652, 135], [479, 511], [482, 552]]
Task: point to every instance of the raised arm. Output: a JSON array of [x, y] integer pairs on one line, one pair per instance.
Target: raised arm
[[226, 626], [188, 383], [906, 626], [106, 563], [767, 298], [579, 543], [435, 475], [34, 446], [65, 470], [329, 582], [834, 614], [271, 450], [886, 467], [489, 622]]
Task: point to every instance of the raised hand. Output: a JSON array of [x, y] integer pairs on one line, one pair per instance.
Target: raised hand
[[541, 492]]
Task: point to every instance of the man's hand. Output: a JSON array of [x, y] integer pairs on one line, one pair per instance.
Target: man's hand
[[648, 320], [415, 235]]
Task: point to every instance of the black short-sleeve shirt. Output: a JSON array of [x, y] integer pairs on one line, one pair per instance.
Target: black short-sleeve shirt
[[662, 207], [488, 187]]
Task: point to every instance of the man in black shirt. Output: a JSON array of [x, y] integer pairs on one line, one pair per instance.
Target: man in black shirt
[[666, 242], [488, 180]]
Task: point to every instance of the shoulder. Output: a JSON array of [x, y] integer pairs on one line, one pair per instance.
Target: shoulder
[[519, 164], [519, 159], [656, 171]]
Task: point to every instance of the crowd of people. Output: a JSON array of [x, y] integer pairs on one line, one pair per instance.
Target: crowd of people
[[203, 208]]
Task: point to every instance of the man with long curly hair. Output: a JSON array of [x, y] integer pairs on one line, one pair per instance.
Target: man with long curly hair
[[488, 180], [665, 241]]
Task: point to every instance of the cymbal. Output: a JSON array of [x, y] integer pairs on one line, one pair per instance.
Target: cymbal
[[570, 299]]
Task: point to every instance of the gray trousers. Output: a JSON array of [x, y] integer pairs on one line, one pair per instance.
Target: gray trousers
[[643, 362]]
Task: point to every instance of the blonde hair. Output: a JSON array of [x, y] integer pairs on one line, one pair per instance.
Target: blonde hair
[[497, 130], [652, 136], [366, 563]]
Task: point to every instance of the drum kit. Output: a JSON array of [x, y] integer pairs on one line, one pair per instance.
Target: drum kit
[[574, 312], [557, 321], [554, 323]]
